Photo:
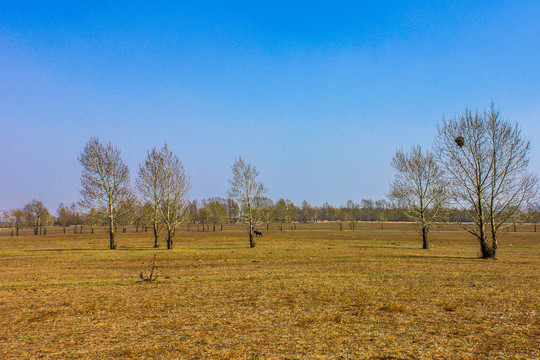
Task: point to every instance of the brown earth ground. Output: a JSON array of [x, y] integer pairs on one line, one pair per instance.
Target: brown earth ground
[[309, 293]]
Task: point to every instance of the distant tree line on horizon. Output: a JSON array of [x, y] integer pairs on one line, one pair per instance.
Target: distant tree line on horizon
[[476, 174], [212, 213]]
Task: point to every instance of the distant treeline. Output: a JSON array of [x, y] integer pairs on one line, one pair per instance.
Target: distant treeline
[[217, 211]]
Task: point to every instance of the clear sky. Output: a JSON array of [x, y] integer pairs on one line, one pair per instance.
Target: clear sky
[[317, 95]]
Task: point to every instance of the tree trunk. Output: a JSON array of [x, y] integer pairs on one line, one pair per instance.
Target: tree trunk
[[92, 229], [424, 238], [112, 245], [280, 226], [214, 227], [221, 227], [494, 245], [267, 227], [112, 226], [487, 251], [340, 227], [11, 231], [251, 240], [64, 229], [44, 231], [170, 236]]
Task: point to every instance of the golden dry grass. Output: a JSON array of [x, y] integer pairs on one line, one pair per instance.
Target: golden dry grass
[[312, 293]]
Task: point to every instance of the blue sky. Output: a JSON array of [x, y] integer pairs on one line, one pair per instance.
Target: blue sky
[[317, 95]]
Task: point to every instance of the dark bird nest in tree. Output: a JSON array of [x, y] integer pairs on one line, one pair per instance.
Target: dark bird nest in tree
[[459, 141]]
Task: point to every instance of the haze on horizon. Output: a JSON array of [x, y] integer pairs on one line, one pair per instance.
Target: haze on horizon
[[317, 96]]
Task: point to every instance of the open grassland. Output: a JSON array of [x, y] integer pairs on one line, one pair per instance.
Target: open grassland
[[311, 293]]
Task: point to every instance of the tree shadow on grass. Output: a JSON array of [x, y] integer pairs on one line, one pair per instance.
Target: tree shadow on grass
[[94, 249], [437, 257], [127, 249], [383, 247]]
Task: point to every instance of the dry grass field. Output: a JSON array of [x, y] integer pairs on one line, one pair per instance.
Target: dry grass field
[[311, 293]]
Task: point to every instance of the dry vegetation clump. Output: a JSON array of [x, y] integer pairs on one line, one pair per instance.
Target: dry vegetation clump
[[312, 293]]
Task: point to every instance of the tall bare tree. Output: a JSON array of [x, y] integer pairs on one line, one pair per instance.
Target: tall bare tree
[[173, 189], [104, 180], [245, 190], [149, 185], [486, 159], [418, 188]]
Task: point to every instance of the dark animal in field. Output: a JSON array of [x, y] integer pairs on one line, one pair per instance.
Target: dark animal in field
[[257, 233]]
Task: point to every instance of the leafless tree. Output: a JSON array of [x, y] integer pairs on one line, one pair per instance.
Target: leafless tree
[[125, 212], [172, 190], [418, 188], [245, 190], [62, 216], [486, 160], [232, 210], [18, 218], [104, 180], [214, 209], [266, 208], [149, 185], [36, 213], [280, 211]]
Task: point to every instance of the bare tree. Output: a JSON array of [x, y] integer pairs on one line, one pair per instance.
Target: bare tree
[[17, 216], [486, 159], [418, 188], [192, 213], [214, 209], [148, 184], [232, 210], [245, 190], [104, 180], [62, 216], [353, 213], [280, 210], [125, 213], [36, 212], [266, 208], [172, 191], [94, 217]]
